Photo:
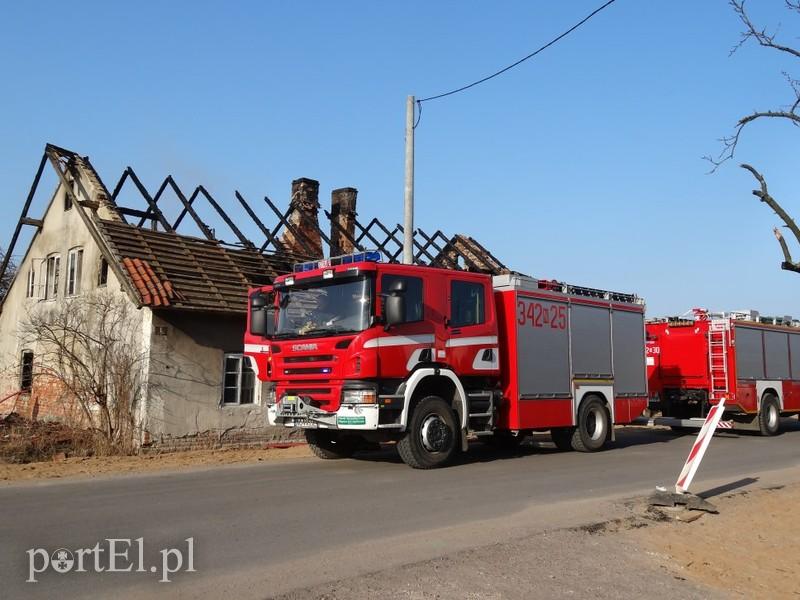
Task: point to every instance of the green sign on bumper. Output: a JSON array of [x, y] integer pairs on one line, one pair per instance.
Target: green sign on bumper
[[351, 420]]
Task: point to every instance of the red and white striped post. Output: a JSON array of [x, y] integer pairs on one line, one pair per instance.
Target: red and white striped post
[[699, 447]]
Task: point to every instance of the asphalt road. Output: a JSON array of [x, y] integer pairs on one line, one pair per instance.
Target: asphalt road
[[264, 529]]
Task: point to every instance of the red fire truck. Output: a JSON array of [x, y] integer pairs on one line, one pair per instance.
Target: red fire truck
[[359, 351], [754, 362]]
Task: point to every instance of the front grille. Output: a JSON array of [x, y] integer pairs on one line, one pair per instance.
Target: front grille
[[302, 359], [309, 391], [308, 371], [317, 397]]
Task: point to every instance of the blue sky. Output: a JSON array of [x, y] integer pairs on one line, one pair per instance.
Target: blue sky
[[583, 164]]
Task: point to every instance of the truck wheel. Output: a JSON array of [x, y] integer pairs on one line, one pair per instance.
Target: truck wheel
[[431, 438], [769, 417], [328, 445], [594, 426], [562, 438]]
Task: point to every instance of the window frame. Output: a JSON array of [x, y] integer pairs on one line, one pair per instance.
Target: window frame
[[242, 359], [52, 278], [30, 286], [481, 318], [22, 374], [102, 273], [74, 271], [384, 290]]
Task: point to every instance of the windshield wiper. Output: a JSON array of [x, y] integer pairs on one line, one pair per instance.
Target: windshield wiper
[[320, 330]]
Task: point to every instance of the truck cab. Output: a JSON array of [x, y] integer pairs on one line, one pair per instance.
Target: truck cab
[[359, 351]]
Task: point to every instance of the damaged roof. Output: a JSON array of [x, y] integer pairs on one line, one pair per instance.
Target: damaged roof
[[161, 268], [177, 271]]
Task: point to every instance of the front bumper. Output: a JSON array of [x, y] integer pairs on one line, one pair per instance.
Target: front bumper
[[296, 413]]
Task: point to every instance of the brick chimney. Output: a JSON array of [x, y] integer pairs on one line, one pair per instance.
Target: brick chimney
[[343, 214], [304, 217]]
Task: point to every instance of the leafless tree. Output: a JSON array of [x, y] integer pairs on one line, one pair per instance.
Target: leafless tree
[[90, 347], [788, 113], [5, 282]]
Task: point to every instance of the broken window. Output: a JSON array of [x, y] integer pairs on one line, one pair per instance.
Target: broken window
[[51, 282], [74, 271], [102, 276], [238, 380], [26, 372]]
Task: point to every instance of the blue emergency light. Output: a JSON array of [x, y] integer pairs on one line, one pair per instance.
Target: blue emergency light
[[367, 256]]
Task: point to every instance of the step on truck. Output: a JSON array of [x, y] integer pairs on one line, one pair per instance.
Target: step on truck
[[752, 361], [358, 352]]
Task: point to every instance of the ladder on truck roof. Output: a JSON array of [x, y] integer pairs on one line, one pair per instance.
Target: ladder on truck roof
[[718, 357]]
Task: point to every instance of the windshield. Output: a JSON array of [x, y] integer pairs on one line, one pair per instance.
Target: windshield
[[335, 307]]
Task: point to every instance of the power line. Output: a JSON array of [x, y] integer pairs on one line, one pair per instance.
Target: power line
[[520, 61]]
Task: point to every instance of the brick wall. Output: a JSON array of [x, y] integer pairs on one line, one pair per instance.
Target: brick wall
[[253, 437]]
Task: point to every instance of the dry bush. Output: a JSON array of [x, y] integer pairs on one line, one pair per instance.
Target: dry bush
[[23, 440], [91, 346]]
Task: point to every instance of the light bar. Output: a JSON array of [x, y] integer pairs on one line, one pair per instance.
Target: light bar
[[367, 256]]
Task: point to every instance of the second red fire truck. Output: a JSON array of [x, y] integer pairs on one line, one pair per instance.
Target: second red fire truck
[[754, 362], [359, 351]]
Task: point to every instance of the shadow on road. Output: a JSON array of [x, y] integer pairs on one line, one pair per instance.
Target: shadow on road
[[728, 487], [538, 443]]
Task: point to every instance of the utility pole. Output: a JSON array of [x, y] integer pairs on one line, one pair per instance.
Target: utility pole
[[408, 208]]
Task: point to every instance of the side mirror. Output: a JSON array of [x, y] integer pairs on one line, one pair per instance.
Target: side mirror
[[395, 307], [262, 315]]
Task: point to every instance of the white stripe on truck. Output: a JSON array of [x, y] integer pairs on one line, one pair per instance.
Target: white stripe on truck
[[398, 340], [471, 341]]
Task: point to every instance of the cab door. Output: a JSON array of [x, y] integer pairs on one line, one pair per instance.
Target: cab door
[[470, 336], [408, 343]]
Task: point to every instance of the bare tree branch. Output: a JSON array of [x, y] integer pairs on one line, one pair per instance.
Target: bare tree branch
[[763, 194], [760, 35], [5, 281], [767, 40]]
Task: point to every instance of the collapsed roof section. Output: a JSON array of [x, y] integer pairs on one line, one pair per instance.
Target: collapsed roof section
[[162, 268]]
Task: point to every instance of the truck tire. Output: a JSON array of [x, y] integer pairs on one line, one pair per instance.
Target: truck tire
[[769, 416], [594, 426], [562, 438], [432, 435], [328, 445]]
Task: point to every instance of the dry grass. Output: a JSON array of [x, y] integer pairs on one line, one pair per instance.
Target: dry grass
[[95, 466], [24, 441]]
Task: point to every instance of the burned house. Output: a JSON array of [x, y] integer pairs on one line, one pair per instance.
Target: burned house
[[186, 293]]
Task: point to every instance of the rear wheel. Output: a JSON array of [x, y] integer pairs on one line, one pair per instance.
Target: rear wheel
[[594, 426], [330, 445], [769, 417], [432, 435]]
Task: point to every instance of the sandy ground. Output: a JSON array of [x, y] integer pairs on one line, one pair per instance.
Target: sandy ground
[[568, 563], [750, 550], [111, 465]]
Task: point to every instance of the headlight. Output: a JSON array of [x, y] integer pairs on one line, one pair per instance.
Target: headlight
[[359, 397]]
